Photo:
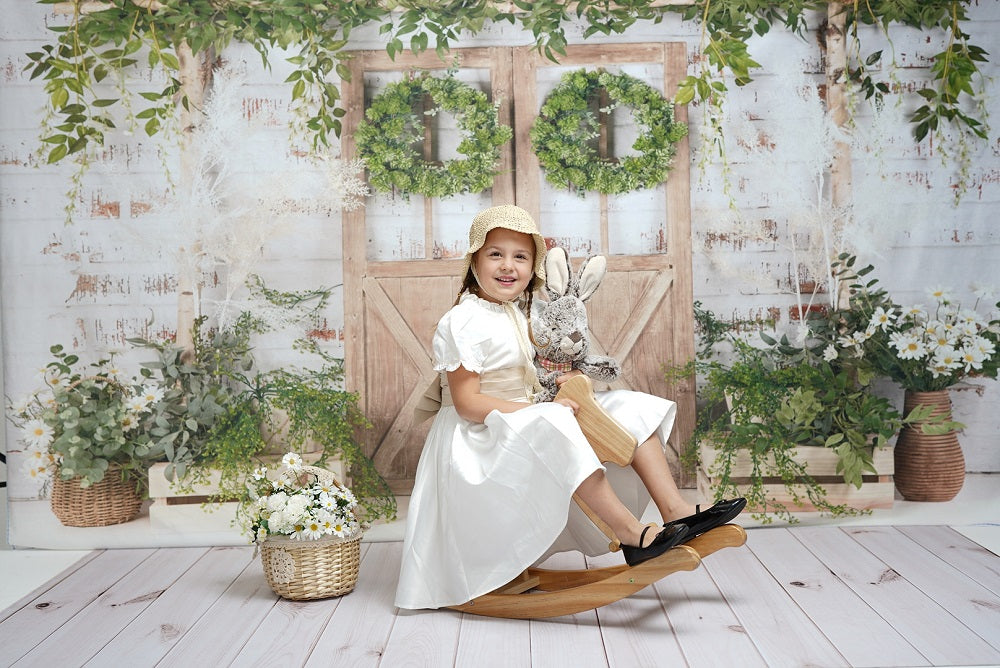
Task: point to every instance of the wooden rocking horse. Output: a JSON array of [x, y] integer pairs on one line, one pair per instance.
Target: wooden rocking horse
[[540, 592]]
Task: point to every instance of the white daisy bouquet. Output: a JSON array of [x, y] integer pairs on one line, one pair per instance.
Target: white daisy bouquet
[[301, 502], [84, 420], [923, 347]]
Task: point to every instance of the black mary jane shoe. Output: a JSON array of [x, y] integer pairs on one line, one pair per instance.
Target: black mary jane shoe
[[706, 520], [669, 536]]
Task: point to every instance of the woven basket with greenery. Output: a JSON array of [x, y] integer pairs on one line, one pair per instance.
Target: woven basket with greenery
[[109, 501]]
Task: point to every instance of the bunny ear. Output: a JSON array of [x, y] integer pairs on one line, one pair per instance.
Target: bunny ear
[[591, 274], [556, 272]]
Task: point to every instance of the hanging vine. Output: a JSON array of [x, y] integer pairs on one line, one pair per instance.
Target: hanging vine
[[127, 35]]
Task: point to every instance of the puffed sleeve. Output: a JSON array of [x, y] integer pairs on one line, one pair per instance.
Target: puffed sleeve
[[461, 340]]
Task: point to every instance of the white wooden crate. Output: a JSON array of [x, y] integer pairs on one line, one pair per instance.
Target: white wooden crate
[[188, 510], [877, 491]]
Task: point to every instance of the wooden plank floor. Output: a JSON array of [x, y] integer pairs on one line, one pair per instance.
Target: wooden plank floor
[[826, 596]]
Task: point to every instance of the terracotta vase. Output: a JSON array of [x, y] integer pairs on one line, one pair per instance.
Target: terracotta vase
[[928, 467]]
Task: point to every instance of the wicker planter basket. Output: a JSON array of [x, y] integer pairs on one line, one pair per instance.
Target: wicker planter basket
[[302, 570], [110, 501]]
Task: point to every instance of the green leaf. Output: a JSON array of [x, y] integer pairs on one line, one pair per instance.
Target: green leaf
[[57, 153], [170, 60]]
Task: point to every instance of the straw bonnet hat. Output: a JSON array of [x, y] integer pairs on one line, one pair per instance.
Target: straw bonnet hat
[[509, 217]]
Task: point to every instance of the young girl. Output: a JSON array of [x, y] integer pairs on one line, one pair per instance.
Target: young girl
[[495, 480]]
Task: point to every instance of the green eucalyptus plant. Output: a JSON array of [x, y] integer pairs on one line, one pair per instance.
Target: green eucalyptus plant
[[238, 417], [89, 420]]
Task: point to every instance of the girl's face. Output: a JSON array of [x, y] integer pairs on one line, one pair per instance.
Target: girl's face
[[505, 264]]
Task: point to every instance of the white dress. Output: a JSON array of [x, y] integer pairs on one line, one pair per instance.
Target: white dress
[[490, 500]]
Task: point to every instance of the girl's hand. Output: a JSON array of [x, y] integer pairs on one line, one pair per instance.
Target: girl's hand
[[566, 376], [569, 403]]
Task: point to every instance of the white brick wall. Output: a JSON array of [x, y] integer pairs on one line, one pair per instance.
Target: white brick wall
[[86, 286]]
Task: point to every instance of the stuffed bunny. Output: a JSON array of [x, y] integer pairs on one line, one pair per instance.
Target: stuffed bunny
[[559, 326]]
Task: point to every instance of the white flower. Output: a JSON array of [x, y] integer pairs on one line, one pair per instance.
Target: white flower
[[151, 394], [298, 533], [854, 340], [940, 294], [57, 382], [881, 319], [312, 529], [915, 313], [909, 347], [983, 345], [37, 433], [983, 291], [292, 460], [135, 404], [940, 339], [327, 502], [947, 358], [113, 372], [276, 502], [38, 473], [260, 473], [129, 422], [830, 353], [972, 358], [19, 407], [340, 529]]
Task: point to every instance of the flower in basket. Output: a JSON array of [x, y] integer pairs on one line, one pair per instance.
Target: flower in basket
[[923, 348], [86, 420], [302, 502]]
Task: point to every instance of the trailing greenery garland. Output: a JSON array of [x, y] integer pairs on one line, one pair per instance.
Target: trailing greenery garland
[[94, 66], [562, 133], [388, 138]]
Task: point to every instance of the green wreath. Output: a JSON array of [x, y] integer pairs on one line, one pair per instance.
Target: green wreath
[[388, 137], [562, 134]]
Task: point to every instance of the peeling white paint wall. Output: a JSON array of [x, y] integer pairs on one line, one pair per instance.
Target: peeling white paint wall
[[85, 285]]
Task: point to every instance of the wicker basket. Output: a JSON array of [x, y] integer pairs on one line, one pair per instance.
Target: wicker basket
[[110, 501], [302, 570]]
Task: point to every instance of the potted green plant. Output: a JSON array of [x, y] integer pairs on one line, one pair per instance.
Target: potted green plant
[[797, 428], [87, 434], [239, 415], [925, 350]]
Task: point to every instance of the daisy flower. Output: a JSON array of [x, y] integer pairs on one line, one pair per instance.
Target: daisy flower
[[972, 359], [830, 353], [135, 404], [940, 295], [881, 319], [292, 460], [915, 312], [908, 346], [37, 433], [983, 291], [129, 422], [312, 529], [151, 394]]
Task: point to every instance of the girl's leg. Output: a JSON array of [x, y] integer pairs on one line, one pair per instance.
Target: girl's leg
[[651, 466], [597, 493]]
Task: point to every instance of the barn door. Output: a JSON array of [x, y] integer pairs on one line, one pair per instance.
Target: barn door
[[402, 255]]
